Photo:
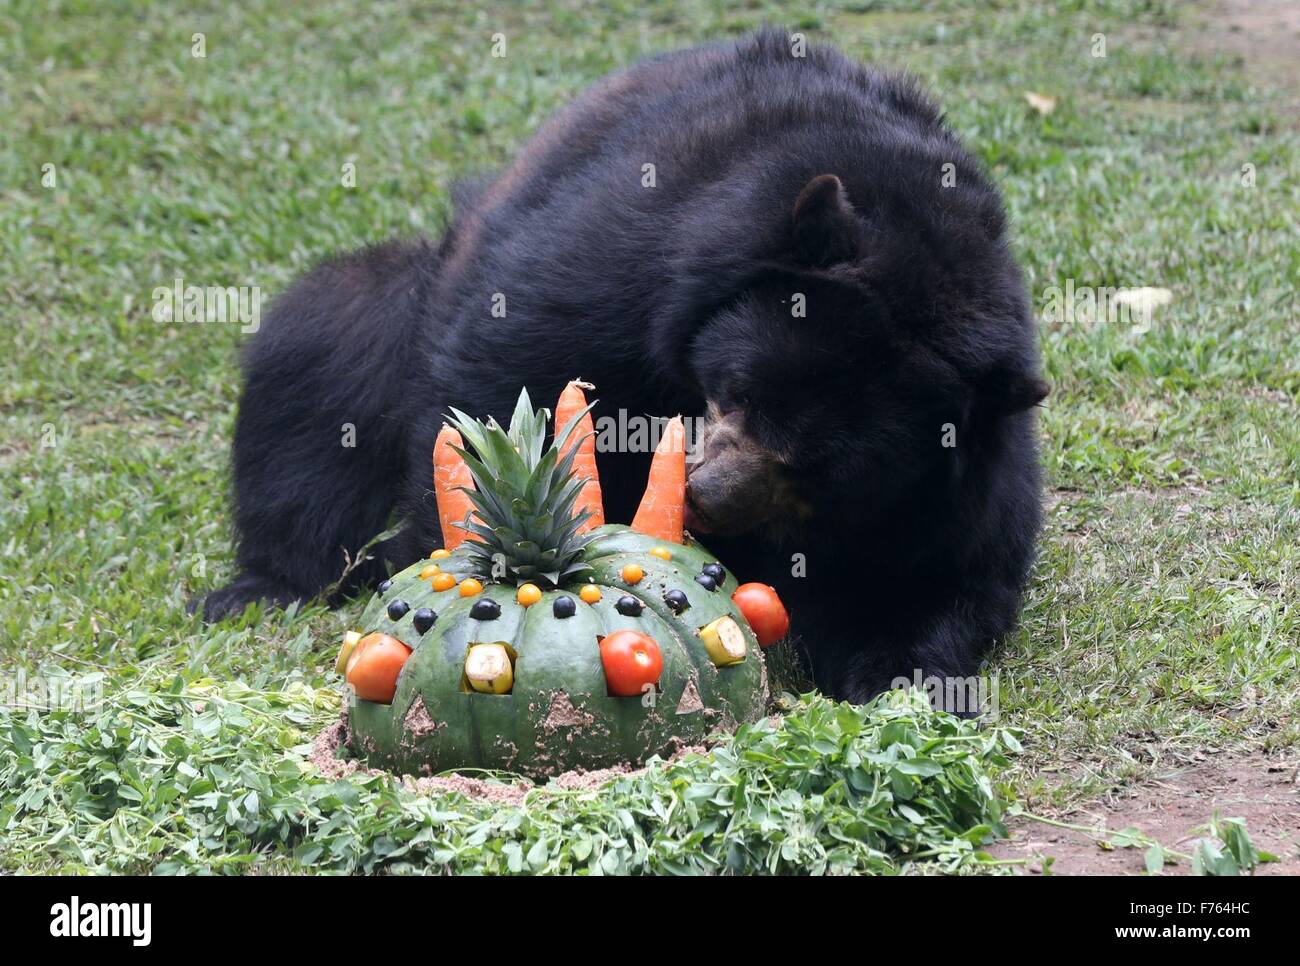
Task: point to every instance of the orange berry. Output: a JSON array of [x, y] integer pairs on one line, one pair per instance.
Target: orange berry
[[440, 554], [528, 594], [663, 553], [443, 581], [632, 573], [429, 570], [590, 593], [469, 587]]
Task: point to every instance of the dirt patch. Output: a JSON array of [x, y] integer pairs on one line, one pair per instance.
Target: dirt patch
[[483, 789], [690, 701], [1173, 810], [324, 752], [586, 781], [562, 714], [325, 758], [1264, 34], [418, 722]]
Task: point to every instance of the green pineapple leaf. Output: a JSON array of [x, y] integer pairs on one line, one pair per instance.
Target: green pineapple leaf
[[524, 495]]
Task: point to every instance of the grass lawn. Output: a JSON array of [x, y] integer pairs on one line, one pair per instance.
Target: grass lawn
[[1162, 628]]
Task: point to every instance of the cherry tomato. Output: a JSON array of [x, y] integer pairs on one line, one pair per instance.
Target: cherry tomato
[[632, 660]]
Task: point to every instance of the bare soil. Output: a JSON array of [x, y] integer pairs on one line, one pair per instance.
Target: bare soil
[[1264, 34], [324, 756], [1173, 811]]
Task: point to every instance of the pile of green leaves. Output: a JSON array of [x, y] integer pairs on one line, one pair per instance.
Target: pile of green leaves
[[213, 777]]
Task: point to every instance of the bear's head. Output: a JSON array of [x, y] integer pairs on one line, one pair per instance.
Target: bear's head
[[882, 348]]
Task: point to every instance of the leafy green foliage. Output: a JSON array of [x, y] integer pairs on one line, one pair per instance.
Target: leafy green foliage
[[215, 778], [1227, 850]]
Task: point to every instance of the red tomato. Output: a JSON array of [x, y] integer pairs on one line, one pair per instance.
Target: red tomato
[[763, 611], [632, 660], [374, 665]]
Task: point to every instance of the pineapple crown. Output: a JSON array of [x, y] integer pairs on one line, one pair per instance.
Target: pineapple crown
[[523, 497]]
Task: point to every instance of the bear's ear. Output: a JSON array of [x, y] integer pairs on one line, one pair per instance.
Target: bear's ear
[[1009, 390], [825, 228]]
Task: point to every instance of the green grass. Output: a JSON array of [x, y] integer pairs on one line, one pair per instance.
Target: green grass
[[1162, 620]]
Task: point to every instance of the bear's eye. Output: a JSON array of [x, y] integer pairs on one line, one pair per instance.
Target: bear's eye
[[766, 429], [733, 396]]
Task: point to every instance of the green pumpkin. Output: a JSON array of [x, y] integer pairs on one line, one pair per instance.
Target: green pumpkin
[[558, 713]]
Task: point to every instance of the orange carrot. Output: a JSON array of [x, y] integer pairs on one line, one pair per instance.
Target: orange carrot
[[663, 506], [573, 401], [450, 472]]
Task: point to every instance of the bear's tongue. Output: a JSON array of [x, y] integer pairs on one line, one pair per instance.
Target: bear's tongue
[[692, 520]]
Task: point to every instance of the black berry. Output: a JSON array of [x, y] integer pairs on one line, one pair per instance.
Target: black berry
[[707, 582], [397, 609], [424, 619], [628, 606], [564, 607], [715, 571], [485, 609], [676, 601], [385, 586]]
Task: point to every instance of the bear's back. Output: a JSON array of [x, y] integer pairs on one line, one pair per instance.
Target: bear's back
[[669, 165]]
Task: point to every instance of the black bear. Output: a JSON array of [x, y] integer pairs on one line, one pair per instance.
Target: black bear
[[781, 241]]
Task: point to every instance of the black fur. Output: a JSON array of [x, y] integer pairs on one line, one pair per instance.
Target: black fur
[[673, 296]]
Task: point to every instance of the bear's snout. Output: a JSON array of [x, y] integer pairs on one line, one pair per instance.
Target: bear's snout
[[734, 483]]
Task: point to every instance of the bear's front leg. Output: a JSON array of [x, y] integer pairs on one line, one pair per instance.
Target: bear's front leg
[[937, 653]]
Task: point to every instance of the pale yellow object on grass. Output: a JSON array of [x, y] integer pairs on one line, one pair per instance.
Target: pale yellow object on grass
[[1042, 103], [1144, 300]]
